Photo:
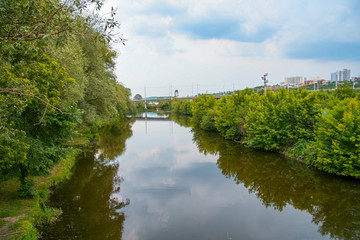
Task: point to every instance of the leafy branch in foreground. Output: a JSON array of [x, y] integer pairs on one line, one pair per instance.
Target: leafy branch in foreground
[[30, 20]]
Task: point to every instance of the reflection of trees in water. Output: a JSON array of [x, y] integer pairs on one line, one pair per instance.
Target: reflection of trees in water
[[91, 200], [277, 181], [182, 120], [113, 138], [208, 146]]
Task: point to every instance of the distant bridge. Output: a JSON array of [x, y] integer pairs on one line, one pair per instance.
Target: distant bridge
[[168, 99], [152, 119]]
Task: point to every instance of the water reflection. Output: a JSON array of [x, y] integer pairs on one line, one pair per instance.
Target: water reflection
[[191, 184], [277, 182], [177, 192], [91, 200], [112, 140]]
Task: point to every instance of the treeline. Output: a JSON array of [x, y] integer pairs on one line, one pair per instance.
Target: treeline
[[321, 128], [56, 77]]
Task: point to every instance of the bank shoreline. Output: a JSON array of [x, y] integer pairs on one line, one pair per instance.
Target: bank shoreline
[[24, 215]]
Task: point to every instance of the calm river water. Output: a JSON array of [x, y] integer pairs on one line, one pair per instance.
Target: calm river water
[[160, 180]]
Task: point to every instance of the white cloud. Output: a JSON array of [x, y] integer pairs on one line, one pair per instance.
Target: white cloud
[[162, 52]]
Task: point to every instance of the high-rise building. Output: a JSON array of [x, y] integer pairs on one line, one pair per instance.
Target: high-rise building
[[340, 76], [294, 80], [346, 74], [334, 77]]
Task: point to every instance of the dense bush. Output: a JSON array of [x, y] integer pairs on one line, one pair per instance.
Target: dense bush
[[200, 107], [230, 113], [208, 120], [280, 119], [337, 139], [181, 106], [321, 128]]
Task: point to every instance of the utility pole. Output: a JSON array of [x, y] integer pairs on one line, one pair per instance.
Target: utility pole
[[145, 96], [265, 81]]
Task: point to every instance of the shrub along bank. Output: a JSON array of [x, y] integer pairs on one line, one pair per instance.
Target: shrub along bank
[[22, 216], [320, 128]]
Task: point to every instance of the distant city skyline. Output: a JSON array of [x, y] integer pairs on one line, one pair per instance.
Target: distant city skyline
[[341, 75], [214, 45]]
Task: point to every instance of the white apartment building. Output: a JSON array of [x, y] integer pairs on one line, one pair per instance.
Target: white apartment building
[[315, 79], [294, 80]]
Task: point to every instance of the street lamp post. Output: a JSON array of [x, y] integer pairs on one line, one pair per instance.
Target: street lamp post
[[265, 81]]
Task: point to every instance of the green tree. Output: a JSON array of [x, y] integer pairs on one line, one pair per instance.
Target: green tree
[[208, 120], [54, 56], [38, 122], [200, 107], [181, 106], [280, 119], [231, 112], [104, 97], [138, 97], [33, 20], [337, 139]]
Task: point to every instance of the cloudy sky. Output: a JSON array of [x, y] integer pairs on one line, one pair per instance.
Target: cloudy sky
[[215, 45]]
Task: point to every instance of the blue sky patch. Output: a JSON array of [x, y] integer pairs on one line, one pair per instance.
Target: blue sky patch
[[223, 28], [325, 51]]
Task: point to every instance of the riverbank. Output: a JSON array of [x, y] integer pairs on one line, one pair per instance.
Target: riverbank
[[20, 217], [318, 128]]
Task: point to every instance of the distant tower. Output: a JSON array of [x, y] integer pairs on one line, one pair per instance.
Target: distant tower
[[176, 93]]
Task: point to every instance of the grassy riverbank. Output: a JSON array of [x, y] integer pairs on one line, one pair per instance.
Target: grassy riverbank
[[20, 217]]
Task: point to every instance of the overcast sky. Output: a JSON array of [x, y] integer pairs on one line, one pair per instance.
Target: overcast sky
[[215, 45]]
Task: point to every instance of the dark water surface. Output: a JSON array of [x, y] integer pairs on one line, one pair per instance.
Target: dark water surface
[[172, 182]]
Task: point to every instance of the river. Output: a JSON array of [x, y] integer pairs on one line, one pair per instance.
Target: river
[[160, 179]]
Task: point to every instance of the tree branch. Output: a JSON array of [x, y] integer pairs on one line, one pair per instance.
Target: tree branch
[[17, 91], [42, 117]]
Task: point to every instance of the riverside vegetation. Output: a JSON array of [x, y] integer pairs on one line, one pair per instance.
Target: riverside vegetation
[[57, 83], [319, 128]]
